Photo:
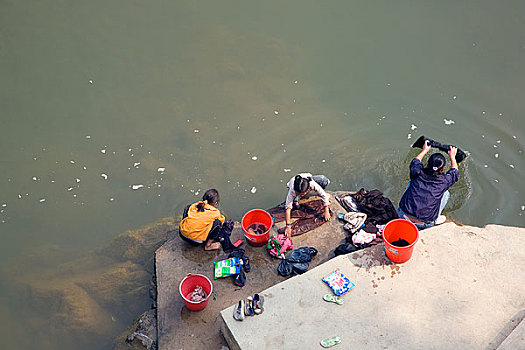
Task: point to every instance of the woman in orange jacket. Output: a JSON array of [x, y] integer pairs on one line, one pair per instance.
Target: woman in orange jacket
[[202, 221]]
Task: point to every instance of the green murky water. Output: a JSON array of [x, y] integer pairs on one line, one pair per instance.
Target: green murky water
[[173, 97]]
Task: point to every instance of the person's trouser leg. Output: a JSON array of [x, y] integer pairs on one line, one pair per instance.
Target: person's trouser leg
[[444, 201], [322, 180]]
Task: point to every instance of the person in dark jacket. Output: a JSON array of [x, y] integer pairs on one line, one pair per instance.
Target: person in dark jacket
[[427, 192]]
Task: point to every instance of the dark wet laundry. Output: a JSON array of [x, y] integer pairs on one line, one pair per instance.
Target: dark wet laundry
[[240, 278], [309, 215], [401, 243], [298, 262], [378, 209]]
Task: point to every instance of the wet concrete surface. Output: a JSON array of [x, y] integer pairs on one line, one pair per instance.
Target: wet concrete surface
[[180, 328]]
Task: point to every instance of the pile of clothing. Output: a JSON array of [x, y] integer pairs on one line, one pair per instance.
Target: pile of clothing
[[368, 213]]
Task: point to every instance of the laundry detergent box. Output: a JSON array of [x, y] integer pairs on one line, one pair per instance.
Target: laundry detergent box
[[339, 283], [228, 267]]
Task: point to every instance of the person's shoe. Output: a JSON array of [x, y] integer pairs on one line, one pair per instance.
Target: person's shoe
[[248, 307], [238, 311], [258, 301], [441, 219]]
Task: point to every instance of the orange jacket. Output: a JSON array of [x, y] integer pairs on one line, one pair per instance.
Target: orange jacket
[[197, 224]]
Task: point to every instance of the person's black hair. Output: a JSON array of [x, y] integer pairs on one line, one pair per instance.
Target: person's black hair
[[301, 184], [435, 165], [211, 197]]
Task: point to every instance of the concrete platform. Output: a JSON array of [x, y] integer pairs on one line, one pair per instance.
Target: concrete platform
[[463, 288]]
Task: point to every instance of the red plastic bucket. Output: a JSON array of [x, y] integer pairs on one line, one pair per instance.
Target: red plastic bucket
[[257, 216], [188, 284], [400, 229]]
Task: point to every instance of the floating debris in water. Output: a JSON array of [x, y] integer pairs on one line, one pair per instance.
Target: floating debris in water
[[498, 141], [104, 176], [111, 199], [4, 205], [77, 180], [287, 170], [511, 165], [42, 200], [485, 166], [483, 112], [276, 112], [196, 130], [136, 187], [253, 190], [454, 97], [136, 164], [91, 81], [295, 82], [35, 178], [496, 155], [19, 196], [161, 170], [103, 150], [523, 207], [88, 136], [449, 121], [85, 167], [254, 158], [413, 127], [70, 189], [323, 161], [409, 136]]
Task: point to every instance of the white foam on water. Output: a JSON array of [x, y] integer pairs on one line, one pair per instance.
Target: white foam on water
[[136, 187], [105, 176], [253, 190], [161, 170], [449, 121]]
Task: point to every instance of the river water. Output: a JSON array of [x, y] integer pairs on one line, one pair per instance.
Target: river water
[[114, 114]]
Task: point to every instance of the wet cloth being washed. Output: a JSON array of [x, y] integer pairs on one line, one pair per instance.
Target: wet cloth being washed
[[309, 216]]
